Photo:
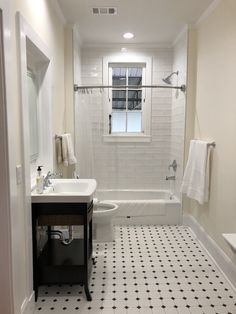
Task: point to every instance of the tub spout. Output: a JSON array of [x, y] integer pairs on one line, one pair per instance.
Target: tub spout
[[170, 178]]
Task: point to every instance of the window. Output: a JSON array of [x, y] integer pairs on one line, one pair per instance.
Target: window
[[126, 116], [127, 108]]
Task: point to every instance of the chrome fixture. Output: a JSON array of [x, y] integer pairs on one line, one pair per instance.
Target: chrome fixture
[[85, 88], [110, 123], [75, 175], [167, 80], [173, 165], [57, 233], [209, 144], [50, 175], [70, 239], [212, 144], [46, 180], [61, 235], [170, 178]]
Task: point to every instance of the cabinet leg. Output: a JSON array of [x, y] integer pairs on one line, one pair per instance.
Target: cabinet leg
[[49, 232], [88, 295], [36, 294]]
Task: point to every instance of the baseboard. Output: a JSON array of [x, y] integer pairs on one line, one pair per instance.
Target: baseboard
[[222, 260], [28, 306]]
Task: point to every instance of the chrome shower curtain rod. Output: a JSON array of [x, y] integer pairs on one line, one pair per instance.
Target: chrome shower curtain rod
[[77, 87]]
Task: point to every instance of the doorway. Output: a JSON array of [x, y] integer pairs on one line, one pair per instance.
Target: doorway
[[6, 294]]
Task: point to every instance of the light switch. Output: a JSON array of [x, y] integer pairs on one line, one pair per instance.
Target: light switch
[[18, 174]]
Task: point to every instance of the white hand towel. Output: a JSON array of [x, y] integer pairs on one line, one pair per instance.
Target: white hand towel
[[59, 150], [71, 155], [196, 175], [64, 150], [68, 150]]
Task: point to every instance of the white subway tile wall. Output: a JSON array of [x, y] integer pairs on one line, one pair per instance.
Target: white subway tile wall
[[178, 111], [132, 165]]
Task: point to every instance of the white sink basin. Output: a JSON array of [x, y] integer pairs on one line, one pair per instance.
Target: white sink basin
[[67, 191]]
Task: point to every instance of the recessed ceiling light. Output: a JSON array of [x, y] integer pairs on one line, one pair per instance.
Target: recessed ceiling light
[[123, 49], [128, 35]]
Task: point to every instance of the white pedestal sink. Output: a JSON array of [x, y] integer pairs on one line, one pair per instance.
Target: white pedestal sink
[[66, 191]]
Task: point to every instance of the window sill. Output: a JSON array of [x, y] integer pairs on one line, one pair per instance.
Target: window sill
[[121, 138]]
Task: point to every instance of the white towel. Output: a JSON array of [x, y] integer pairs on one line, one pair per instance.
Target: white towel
[[59, 150], [196, 175], [68, 155]]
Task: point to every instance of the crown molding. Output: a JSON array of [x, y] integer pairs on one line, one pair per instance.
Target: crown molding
[[181, 33], [59, 12], [128, 46], [208, 12], [77, 35]]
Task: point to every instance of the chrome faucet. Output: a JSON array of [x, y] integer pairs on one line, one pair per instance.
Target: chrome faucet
[[46, 180], [50, 175], [170, 178]]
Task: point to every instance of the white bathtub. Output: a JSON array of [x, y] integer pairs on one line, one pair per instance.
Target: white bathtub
[[144, 206]]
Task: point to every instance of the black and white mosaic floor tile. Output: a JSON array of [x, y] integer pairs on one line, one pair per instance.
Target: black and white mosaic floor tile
[[148, 269]]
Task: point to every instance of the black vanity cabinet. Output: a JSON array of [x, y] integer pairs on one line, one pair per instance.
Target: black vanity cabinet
[[55, 263]]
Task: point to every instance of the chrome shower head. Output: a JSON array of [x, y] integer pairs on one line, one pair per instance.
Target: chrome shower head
[[167, 80]]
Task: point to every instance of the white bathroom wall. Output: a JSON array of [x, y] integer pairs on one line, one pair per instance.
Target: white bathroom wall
[[178, 109], [50, 28], [83, 133], [6, 287], [129, 165], [215, 113]]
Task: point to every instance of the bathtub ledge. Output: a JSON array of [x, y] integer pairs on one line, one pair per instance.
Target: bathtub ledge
[[230, 238]]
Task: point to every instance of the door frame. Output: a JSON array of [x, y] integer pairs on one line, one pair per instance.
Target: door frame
[[6, 269]]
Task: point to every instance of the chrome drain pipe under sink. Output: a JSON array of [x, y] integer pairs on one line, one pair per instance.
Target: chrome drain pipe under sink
[[61, 235]]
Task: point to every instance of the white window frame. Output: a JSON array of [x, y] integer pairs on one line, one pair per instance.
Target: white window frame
[[126, 60]]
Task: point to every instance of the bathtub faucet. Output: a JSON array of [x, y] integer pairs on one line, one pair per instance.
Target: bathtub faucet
[[170, 178]]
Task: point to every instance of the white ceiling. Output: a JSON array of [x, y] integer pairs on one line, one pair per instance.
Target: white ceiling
[[151, 21]]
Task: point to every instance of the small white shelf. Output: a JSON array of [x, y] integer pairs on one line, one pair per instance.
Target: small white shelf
[[230, 238]]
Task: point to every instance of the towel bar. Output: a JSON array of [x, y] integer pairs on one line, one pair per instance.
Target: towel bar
[[213, 144]]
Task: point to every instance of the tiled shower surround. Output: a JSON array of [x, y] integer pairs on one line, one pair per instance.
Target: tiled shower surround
[[128, 165], [146, 270], [178, 111]]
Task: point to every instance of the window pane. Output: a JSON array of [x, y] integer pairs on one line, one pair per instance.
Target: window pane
[[118, 76], [135, 76], [118, 122], [134, 122], [134, 100], [119, 99]]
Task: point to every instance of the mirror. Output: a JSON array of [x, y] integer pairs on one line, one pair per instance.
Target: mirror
[[36, 102], [33, 115]]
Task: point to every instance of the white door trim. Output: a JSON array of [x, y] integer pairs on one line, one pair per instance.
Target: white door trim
[[6, 276]]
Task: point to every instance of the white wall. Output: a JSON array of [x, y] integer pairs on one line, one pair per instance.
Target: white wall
[[178, 109], [43, 19], [6, 287], [215, 118], [71, 48], [129, 165]]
